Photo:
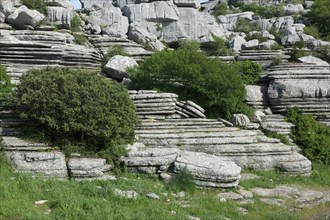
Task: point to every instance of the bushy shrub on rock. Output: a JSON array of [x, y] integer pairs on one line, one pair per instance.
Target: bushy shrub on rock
[[39, 5], [312, 136], [77, 107], [216, 86], [5, 85]]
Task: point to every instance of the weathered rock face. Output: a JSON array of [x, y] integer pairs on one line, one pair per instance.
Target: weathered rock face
[[86, 167], [39, 49], [256, 96], [6, 8], [247, 148], [59, 13], [23, 17], [303, 85], [117, 65], [152, 105], [110, 17]]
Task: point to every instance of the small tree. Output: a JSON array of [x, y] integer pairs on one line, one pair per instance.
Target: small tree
[[77, 107]]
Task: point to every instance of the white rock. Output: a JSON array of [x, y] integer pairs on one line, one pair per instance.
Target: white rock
[[117, 65], [236, 43], [313, 60], [24, 16], [129, 194], [293, 9]]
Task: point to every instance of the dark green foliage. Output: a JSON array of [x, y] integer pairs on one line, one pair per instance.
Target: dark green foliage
[[245, 26], [283, 138], [5, 85], [216, 86], [39, 5], [112, 51], [265, 12], [182, 181], [75, 23], [277, 34], [219, 47], [312, 30], [320, 17], [257, 36], [79, 108], [250, 71], [221, 9], [323, 52], [298, 50], [79, 39], [312, 136]]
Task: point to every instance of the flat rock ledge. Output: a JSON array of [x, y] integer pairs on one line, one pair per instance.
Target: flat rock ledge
[[209, 170], [81, 168]]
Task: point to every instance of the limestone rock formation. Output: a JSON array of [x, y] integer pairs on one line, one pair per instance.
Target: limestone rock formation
[[208, 170], [306, 86], [59, 13], [23, 17], [80, 168], [117, 65]]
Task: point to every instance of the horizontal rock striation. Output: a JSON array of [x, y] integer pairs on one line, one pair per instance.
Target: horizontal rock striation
[[80, 168], [250, 149], [208, 170], [305, 86], [39, 49], [10, 123], [104, 42], [152, 105]]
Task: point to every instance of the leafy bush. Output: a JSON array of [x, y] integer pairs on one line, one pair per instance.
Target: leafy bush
[[5, 85], [257, 36], [320, 17], [272, 11], [75, 23], [323, 53], [219, 47], [216, 86], [77, 107], [243, 25], [283, 138], [79, 39], [182, 181], [221, 9], [39, 5], [250, 71], [298, 51], [312, 136]]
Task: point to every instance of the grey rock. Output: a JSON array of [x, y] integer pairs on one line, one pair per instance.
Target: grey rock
[[187, 3], [230, 196], [293, 9], [59, 13], [244, 211], [6, 8], [48, 164], [276, 202], [86, 167], [96, 29], [250, 44], [128, 194], [117, 65], [267, 45], [313, 60], [280, 191], [24, 16], [308, 4], [268, 111], [257, 116], [245, 193], [289, 40], [189, 217], [166, 177], [236, 43], [240, 120], [208, 170], [153, 196], [18, 144]]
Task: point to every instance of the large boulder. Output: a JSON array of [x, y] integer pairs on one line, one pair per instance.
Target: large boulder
[[24, 16], [86, 167], [313, 60], [293, 9], [59, 13], [111, 17], [6, 8], [117, 65]]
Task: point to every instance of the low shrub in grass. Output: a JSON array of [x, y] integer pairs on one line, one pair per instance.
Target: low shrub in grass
[[216, 86], [79, 108], [39, 5], [182, 181], [5, 85], [311, 136]]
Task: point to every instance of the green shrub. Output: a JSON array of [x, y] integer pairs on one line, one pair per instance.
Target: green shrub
[[320, 17], [182, 181], [221, 9], [79, 108], [245, 26], [311, 136], [5, 85], [257, 36], [75, 23], [112, 51], [250, 71], [283, 138], [219, 47], [79, 39], [272, 11], [254, 7], [39, 5], [323, 52], [297, 51], [212, 84]]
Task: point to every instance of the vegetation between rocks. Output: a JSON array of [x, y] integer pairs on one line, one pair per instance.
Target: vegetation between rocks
[[39, 5], [216, 86], [5, 85], [311, 136], [77, 108]]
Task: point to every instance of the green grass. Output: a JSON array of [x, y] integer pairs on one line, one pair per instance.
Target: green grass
[[68, 199]]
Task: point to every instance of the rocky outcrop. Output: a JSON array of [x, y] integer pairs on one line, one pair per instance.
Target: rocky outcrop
[[249, 149], [152, 105], [208, 170], [306, 86], [39, 49], [81, 168], [117, 65], [256, 96], [59, 13], [10, 123], [24, 17]]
